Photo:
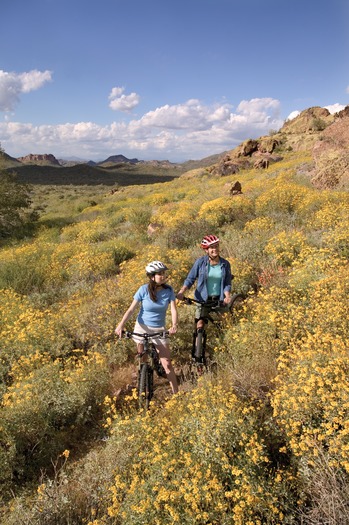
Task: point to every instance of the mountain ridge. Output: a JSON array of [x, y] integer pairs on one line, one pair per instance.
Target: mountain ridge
[[314, 129]]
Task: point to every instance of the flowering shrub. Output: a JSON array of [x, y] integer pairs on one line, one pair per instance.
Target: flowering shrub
[[24, 332], [172, 214], [24, 268], [312, 265], [222, 210], [242, 447], [331, 214], [244, 275], [338, 240], [200, 460], [86, 231], [285, 247], [45, 400], [282, 198], [260, 226]]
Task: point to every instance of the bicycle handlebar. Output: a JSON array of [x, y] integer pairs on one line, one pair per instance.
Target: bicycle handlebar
[[128, 335], [214, 304]]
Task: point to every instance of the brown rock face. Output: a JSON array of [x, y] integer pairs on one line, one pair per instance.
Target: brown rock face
[[251, 153], [331, 154], [310, 120], [46, 158]]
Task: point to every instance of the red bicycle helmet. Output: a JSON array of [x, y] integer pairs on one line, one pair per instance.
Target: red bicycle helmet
[[208, 240]]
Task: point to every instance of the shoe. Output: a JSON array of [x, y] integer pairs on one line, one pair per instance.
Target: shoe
[[160, 370]]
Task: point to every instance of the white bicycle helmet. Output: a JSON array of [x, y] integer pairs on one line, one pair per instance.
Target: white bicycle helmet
[[155, 267]]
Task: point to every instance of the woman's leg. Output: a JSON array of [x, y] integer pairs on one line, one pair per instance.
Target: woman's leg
[[164, 355], [140, 348]]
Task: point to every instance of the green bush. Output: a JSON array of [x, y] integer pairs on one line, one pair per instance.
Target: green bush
[[121, 253], [16, 217]]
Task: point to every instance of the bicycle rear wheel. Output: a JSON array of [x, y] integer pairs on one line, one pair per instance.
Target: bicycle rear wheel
[[145, 386]]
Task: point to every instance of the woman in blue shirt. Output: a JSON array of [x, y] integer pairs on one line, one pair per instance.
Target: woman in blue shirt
[[154, 298]]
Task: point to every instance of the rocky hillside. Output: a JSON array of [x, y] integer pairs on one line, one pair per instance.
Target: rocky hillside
[[326, 136], [6, 161], [331, 154]]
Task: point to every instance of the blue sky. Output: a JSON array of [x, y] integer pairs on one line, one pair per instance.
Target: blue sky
[[164, 79]]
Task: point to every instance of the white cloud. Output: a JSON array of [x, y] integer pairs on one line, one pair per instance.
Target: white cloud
[[190, 115], [121, 102], [12, 85], [293, 114], [258, 107], [191, 130], [335, 108], [347, 90]]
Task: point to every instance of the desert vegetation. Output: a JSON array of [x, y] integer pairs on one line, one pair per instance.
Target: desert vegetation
[[263, 441]]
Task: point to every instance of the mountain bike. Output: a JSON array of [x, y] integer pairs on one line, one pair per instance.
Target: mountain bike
[[148, 362], [200, 361]]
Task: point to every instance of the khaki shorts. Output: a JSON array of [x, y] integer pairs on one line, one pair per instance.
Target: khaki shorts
[[143, 329], [203, 311]]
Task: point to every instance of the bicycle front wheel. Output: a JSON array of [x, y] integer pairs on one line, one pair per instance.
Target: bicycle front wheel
[[145, 386], [200, 347], [236, 304]]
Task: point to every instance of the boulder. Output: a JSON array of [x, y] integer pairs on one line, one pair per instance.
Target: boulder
[[236, 188], [246, 148], [153, 228], [261, 163]]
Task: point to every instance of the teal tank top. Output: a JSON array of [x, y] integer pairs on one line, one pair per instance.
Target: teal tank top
[[214, 280]]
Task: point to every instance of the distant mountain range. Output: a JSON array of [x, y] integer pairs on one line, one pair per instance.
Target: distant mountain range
[[315, 129], [114, 170], [48, 159]]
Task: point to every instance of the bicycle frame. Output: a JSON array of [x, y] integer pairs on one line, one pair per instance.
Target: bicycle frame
[[199, 360], [148, 361], [198, 352]]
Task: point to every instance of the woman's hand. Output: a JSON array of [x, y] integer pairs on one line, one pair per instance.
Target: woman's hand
[[173, 329], [119, 329], [227, 299]]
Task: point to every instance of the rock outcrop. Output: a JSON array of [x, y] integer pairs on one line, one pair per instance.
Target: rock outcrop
[[250, 154], [301, 133], [331, 154], [311, 120], [46, 158]]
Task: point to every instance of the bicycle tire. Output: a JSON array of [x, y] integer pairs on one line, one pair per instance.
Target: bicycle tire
[[199, 347], [145, 386], [236, 303]]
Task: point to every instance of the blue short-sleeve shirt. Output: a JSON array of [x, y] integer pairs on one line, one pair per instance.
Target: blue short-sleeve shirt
[[151, 313]]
